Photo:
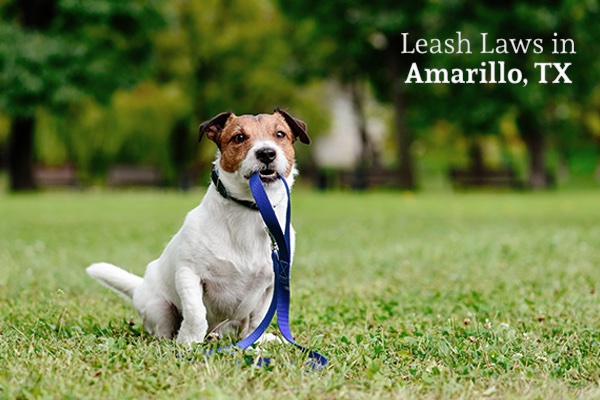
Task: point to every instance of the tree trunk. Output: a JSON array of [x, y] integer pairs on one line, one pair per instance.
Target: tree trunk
[[20, 154], [406, 174], [181, 154], [538, 178], [563, 173], [369, 157], [536, 148], [477, 164], [597, 171]]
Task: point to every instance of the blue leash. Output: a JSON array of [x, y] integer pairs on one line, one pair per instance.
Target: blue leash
[[281, 267]]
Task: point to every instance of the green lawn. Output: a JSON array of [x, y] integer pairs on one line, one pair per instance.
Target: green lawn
[[410, 296]]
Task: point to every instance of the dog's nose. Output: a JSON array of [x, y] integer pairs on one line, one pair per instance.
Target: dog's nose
[[266, 154]]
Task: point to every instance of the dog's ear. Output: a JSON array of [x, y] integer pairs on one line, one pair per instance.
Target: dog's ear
[[212, 127], [297, 126]]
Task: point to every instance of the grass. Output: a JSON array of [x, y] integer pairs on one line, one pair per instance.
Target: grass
[[410, 296]]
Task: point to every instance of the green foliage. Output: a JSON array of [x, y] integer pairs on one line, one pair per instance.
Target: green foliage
[[113, 81], [555, 105], [210, 56], [428, 296], [371, 33], [227, 55], [25, 78], [134, 129], [53, 56]]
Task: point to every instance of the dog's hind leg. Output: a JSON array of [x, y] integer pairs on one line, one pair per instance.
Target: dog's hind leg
[[160, 317]]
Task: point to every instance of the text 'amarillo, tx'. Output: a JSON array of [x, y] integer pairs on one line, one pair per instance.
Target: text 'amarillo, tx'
[[490, 71]]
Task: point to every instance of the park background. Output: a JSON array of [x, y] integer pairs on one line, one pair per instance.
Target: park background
[[414, 284], [87, 86]]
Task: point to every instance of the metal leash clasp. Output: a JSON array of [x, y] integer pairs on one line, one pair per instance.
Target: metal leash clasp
[[274, 246]]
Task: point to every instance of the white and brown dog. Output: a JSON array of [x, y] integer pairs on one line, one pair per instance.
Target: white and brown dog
[[215, 276]]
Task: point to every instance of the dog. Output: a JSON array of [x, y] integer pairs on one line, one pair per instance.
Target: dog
[[215, 276]]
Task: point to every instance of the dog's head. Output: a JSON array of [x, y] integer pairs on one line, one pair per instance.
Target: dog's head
[[260, 143]]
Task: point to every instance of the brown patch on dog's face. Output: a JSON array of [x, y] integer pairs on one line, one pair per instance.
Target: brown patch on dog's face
[[240, 134]]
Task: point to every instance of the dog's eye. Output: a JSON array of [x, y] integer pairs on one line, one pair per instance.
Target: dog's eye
[[281, 135], [239, 138]]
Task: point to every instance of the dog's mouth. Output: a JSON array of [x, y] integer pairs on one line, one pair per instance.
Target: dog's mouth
[[268, 175]]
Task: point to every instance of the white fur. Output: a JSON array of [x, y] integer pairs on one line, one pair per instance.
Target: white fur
[[215, 275]]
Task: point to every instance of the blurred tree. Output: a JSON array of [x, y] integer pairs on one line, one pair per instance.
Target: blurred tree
[[592, 126], [226, 55], [54, 53], [357, 41], [544, 112]]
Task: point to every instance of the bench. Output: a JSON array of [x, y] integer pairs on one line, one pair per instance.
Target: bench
[[484, 178], [55, 176], [329, 179], [133, 176], [368, 179]]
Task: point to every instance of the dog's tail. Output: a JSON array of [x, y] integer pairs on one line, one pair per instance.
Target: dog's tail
[[115, 278]]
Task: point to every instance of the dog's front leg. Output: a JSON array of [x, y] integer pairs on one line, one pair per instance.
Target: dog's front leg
[[194, 324], [258, 315]]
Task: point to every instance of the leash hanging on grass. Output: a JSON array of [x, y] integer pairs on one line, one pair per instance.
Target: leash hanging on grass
[[281, 267]]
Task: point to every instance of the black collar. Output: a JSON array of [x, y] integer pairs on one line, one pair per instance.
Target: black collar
[[223, 191]]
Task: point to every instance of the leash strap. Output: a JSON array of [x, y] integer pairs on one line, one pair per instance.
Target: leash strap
[[281, 267]]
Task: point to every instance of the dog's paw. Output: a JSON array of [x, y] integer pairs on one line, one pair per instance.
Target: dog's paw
[[188, 336], [269, 338], [213, 337], [189, 339]]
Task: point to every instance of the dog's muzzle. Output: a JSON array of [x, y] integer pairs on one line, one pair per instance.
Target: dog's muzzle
[[267, 155]]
